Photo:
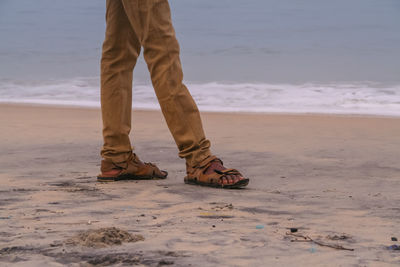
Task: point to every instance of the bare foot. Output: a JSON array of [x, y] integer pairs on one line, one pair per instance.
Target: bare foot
[[229, 179]]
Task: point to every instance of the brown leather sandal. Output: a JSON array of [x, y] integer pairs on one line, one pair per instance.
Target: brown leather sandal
[[196, 175], [132, 169]]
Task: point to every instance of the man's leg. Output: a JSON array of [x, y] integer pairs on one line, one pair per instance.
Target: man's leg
[[151, 20], [161, 52], [121, 48]]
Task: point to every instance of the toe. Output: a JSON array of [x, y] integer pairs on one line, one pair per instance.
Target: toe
[[238, 178]]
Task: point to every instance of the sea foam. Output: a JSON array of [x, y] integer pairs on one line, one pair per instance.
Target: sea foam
[[350, 98]]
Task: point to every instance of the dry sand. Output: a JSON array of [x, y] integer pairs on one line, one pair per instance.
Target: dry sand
[[335, 178]]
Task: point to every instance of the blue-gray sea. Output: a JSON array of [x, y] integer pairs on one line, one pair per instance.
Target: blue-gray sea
[[318, 56]]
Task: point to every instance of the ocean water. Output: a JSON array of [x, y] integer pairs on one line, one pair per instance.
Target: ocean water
[[297, 56]]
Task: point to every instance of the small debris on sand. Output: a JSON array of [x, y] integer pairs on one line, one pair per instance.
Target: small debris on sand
[[339, 237], [304, 238], [221, 206], [103, 237], [393, 247], [210, 215]]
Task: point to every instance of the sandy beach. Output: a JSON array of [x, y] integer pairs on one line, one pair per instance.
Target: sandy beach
[[335, 179]]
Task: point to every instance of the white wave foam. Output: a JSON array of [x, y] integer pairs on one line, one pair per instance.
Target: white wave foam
[[356, 98]]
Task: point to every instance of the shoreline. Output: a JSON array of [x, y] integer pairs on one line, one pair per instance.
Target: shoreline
[[316, 114]]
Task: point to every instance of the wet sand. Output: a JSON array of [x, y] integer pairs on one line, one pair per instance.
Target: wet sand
[[336, 179]]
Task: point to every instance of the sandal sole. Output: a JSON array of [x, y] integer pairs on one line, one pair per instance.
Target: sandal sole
[[241, 184], [127, 177]]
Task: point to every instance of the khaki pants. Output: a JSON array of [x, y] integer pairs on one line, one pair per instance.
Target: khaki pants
[[132, 24]]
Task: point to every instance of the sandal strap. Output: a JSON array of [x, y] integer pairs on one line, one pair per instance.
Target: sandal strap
[[205, 163], [198, 170], [215, 178], [197, 173], [148, 169], [152, 169], [228, 172]]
